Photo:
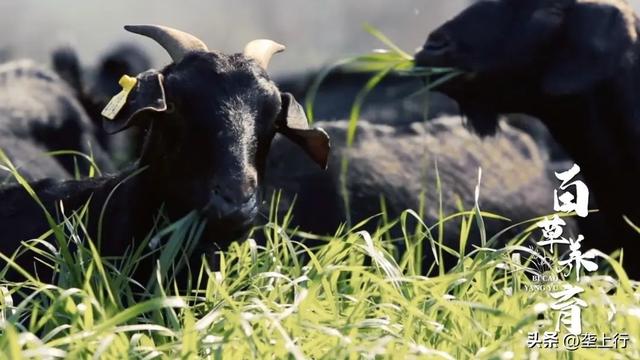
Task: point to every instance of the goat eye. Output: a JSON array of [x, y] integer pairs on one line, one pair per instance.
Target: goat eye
[[171, 108]]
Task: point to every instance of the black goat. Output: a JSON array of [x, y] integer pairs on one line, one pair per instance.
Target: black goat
[[39, 114], [574, 65], [399, 165], [210, 119]]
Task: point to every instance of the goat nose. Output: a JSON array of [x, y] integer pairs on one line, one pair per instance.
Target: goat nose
[[229, 204], [233, 196]]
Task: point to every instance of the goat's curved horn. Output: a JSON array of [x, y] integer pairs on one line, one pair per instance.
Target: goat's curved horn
[[177, 43], [262, 50]]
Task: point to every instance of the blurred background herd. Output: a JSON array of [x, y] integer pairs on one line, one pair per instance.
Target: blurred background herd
[[315, 32]]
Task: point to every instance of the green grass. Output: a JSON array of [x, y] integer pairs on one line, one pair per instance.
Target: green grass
[[350, 297], [353, 296]]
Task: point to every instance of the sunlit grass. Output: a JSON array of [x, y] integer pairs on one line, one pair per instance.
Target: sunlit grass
[[350, 297]]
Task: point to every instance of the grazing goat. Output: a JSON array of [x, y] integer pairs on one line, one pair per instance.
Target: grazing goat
[[39, 114], [399, 165], [574, 65], [210, 119]]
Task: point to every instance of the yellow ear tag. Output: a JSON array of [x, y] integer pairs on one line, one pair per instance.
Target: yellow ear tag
[[117, 102]]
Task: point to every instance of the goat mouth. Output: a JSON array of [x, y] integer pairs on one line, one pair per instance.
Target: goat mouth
[[430, 58], [452, 85], [221, 231], [433, 55]]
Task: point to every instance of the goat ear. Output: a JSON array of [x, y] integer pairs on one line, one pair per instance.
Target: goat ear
[[147, 95], [597, 36], [293, 123]]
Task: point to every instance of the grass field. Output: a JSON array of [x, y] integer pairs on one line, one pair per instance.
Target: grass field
[[350, 297], [353, 296]]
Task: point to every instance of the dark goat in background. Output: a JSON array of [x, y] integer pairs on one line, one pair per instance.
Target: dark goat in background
[[572, 64], [95, 87], [210, 119], [397, 101], [399, 165], [38, 114]]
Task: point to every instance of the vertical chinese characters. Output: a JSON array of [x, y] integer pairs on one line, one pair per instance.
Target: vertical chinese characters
[[572, 196]]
